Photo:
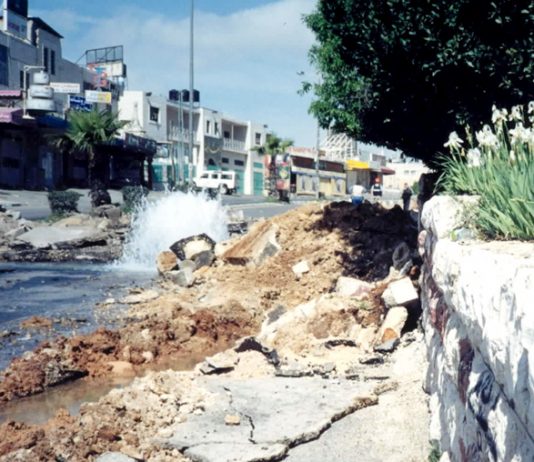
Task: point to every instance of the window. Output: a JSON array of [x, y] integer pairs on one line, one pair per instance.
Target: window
[[225, 160], [227, 134], [154, 114], [226, 176], [207, 126], [204, 175], [258, 139], [216, 128], [52, 62], [45, 59], [239, 162]]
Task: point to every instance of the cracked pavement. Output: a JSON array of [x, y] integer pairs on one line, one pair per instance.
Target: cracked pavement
[[276, 413]]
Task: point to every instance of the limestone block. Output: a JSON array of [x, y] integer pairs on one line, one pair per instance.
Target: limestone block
[[352, 287], [400, 293], [166, 261]]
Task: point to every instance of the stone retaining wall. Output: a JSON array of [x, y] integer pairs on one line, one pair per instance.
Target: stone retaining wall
[[478, 316]]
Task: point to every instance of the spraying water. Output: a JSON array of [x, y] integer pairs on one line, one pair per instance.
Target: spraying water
[[158, 225]]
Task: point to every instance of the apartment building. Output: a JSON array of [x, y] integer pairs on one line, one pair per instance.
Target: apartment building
[[220, 142], [28, 44]]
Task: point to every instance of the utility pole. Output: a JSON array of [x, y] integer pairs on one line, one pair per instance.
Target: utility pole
[[317, 147], [191, 90]]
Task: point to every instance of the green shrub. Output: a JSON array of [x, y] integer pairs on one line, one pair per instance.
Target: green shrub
[[499, 168], [63, 202], [133, 196]]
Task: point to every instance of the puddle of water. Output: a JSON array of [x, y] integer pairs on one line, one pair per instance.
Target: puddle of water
[[40, 408], [64, 293]]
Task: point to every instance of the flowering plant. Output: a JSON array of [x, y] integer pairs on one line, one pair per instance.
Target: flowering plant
[[496, 164]]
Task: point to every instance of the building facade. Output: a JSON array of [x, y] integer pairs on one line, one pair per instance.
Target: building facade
[[220, 142], [28, 44]]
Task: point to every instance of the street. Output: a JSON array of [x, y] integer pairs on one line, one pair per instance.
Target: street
[[33, 205]]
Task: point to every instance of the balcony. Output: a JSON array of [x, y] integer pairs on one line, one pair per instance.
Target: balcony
[[175, 133], [234, 145]]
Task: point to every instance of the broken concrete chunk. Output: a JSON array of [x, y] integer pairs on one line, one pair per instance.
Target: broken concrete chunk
[[252, 344], [166, 261], [393, 324], [301, 268], [204, 258], [183, 277], [220, 363], [400, 293], [190, 247], [255, 247], [352, 287]]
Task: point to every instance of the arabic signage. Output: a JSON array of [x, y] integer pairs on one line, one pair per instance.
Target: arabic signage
[[78, 103], [66, 88], [103, 97]]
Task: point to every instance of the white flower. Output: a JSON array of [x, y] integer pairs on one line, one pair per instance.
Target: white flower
[[517, 113], [512, 156], [498, 116], [455, 142], [486, 138], [531, 107], [474, 157], [520, 134]]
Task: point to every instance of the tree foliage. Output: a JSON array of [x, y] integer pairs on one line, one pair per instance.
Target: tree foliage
[[405, 73], [274, 145]]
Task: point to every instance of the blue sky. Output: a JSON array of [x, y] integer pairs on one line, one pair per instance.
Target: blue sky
[[247, 52]]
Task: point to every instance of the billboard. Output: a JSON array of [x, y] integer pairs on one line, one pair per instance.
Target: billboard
[[78, 103], [19, 7], [103, 97]]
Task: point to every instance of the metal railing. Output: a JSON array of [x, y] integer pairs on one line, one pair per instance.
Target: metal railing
[[234, 145]]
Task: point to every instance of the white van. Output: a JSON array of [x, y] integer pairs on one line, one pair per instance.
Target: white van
[[224, 182]]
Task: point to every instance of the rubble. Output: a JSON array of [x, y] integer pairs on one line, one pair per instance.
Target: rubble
[[166, 261], [400, 293], [255, 247], [261, 337]]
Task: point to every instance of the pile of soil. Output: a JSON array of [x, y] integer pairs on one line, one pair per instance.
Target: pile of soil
[[227, 302]]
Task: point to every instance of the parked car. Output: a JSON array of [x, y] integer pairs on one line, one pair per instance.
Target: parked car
[[224, 182]]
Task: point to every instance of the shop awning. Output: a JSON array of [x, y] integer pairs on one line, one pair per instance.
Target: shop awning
[[10, 115], [357, 165], [387, 171]]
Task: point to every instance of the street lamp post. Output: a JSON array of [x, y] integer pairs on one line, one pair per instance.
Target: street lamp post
[[191, 85]]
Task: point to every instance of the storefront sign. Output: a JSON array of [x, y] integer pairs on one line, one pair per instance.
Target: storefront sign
[[78, 103], [10, 94], [67, 88], [103, 97]]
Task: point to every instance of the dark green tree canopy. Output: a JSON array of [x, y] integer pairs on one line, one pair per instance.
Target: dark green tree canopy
[[405, 73]]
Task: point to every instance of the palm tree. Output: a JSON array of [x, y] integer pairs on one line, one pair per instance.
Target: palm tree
[[87, 131], [274, 145]]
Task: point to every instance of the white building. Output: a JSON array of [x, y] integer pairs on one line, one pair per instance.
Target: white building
[[221, 142], [406, 171]]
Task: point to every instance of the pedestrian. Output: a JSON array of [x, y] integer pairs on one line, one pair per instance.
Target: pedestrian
[[356, 194], [376, 189], [406, 196]]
